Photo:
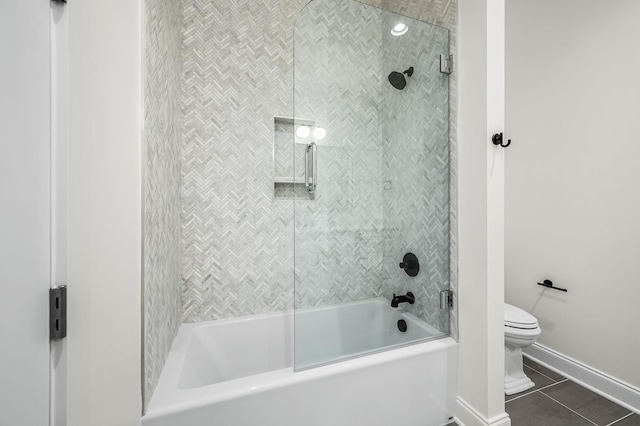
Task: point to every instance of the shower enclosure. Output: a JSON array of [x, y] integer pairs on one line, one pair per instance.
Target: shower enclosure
[[359, 183], [371, 168]]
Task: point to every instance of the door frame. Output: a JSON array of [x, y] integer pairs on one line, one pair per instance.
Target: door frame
[[59, 140]]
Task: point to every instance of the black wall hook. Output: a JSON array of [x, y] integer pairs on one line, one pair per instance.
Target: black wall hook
[[497, 140]]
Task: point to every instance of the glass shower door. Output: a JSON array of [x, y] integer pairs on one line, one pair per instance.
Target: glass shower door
[[376, 181]]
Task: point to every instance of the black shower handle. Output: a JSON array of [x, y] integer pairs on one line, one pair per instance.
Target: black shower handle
[[410, 264]]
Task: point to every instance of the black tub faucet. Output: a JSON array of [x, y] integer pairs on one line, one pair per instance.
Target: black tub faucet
[[403, 298]]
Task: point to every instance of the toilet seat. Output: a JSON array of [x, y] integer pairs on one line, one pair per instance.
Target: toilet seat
[[515, 317]]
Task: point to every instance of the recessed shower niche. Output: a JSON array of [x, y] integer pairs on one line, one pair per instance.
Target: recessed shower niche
[[295, 157]]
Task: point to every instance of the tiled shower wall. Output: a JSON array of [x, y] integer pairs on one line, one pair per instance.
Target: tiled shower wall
[[443, 13], [383, 166], [237, 240], [416, 167], [338, 83], [162, 153]]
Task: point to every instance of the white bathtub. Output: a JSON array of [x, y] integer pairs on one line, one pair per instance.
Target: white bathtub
[[238, 372]]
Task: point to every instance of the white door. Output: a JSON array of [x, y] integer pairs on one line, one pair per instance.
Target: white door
[[24, 212]]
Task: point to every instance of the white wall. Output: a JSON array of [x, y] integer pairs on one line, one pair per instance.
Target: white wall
[[24, 212], [104, 221], [480, 214], [572, 176]]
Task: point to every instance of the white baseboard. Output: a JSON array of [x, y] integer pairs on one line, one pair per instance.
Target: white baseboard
[[466, 415], [613, 389]]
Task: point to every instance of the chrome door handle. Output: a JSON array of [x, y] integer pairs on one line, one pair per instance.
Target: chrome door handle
[[311, 162]]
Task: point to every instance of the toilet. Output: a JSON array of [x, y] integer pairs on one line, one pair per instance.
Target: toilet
[[520, 330]]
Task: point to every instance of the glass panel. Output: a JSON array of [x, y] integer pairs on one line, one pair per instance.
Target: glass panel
[[381, 181]]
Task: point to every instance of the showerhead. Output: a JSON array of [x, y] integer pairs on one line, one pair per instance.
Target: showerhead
[[397, 79]]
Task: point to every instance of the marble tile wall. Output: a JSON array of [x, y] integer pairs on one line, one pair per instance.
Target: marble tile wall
[[384, 166], [416, 167], [237, 241], [162, 183], [338, 78], [443, 13]]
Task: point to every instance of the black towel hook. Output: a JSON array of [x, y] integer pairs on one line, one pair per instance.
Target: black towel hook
[[497, 140]]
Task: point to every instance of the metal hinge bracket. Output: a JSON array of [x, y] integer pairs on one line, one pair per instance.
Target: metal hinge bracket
[[446, 64], [58, 312], [446, 299]]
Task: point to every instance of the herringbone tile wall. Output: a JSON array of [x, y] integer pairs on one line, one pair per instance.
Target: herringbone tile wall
[[416, 167], [443, 13], [238, 241], [162, 153], [384, 165], [338, 77]]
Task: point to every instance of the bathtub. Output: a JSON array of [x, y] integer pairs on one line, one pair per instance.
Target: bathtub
[[239, 372]]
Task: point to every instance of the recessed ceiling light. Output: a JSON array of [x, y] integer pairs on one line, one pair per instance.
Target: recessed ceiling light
[[399, 29]]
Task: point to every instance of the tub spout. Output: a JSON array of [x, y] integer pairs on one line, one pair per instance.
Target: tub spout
[[403, 298]]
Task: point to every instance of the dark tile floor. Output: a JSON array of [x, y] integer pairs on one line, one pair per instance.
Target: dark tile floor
[[557, 401]]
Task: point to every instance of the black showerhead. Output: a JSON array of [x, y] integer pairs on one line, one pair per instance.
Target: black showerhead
[[397, 79]]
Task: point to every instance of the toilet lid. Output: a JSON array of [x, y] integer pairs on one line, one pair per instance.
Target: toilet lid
[[517, 318]]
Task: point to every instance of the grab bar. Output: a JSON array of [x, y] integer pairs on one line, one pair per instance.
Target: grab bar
[[311, 179]]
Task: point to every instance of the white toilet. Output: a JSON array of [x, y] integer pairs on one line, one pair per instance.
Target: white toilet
[[520, 330]]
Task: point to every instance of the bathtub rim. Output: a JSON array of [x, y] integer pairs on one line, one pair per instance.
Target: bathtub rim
[[168, 398], [167, 401]]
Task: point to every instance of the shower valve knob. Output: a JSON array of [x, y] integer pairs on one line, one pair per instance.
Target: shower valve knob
[[410, 264]]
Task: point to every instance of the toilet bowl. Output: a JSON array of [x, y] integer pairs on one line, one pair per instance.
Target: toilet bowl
[[520, 330]]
